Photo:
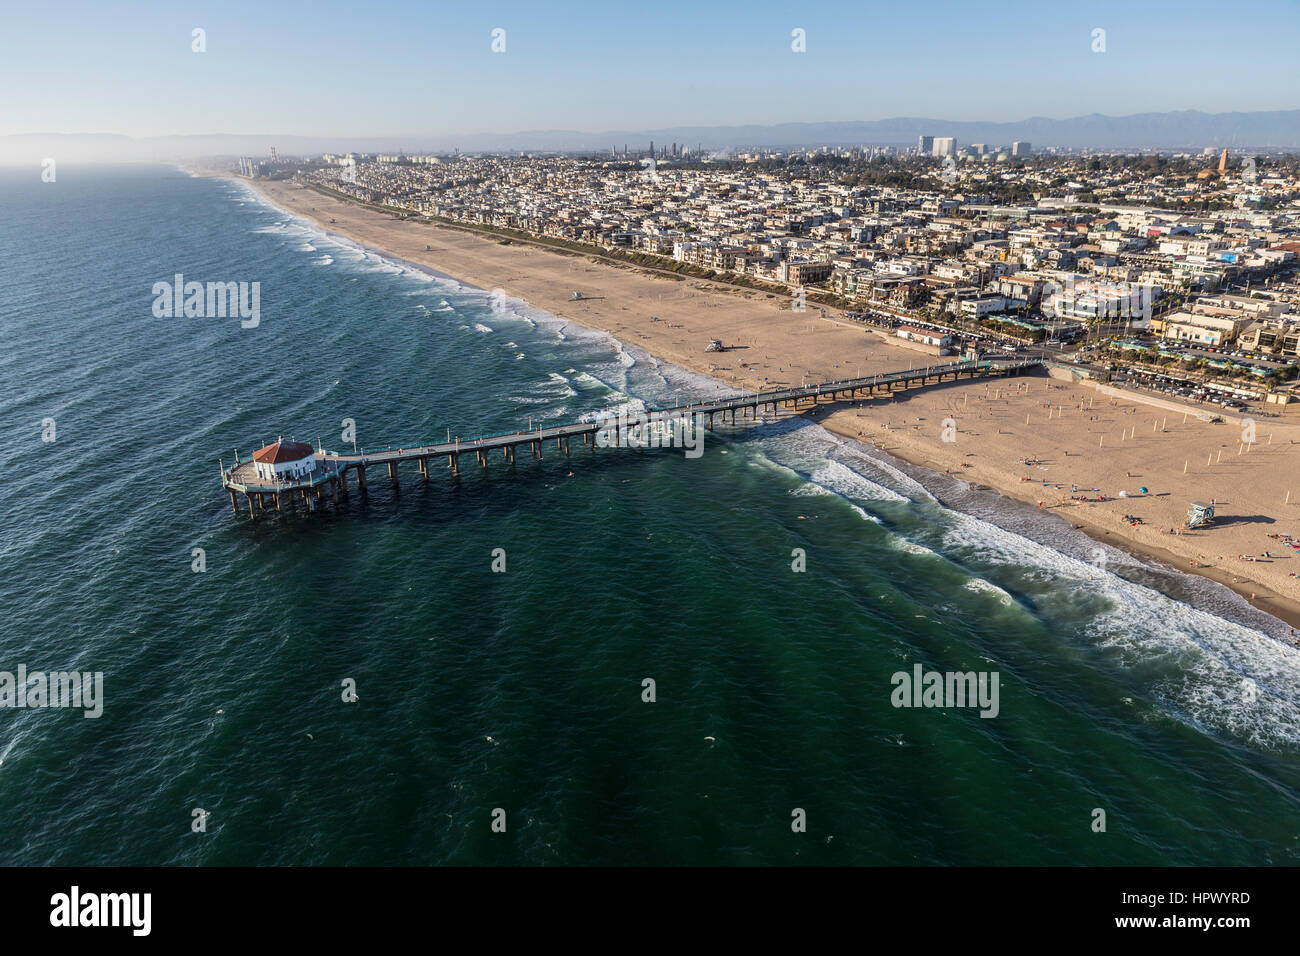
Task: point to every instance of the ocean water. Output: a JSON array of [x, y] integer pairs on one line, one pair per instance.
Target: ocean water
[[1161, 699]]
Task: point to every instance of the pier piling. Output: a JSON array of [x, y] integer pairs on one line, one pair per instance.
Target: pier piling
[[327, 478]]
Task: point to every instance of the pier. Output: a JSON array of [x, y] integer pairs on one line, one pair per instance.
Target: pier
[[324, 475]]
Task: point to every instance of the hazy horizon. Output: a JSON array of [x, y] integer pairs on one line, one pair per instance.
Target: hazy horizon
[[402, 70], [1175, 131]]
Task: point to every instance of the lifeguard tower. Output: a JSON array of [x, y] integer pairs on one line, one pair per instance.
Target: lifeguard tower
[[1200, 514]]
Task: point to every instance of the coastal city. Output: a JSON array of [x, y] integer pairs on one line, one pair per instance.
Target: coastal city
[[1171, 271], [618, 436]]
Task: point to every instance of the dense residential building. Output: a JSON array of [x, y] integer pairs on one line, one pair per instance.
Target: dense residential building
[[1273, 337], [1081, 244], [1216, 327]]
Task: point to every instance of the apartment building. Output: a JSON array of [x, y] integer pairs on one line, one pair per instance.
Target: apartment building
[[1215, 329], [1276, 337]]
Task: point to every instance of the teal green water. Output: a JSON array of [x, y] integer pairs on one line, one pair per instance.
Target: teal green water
[[1121, 687]]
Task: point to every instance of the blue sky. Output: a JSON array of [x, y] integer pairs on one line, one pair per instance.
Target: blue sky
[[380, 68]]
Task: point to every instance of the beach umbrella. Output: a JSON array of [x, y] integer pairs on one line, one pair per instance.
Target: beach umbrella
[[1144, 491]]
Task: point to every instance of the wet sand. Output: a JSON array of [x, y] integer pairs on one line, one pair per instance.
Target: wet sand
[[1073, 435]]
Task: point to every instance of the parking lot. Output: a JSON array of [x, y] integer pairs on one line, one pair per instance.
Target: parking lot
[[1187, 391]]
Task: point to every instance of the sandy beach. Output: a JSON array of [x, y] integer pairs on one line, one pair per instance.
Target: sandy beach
[[1055, 444]]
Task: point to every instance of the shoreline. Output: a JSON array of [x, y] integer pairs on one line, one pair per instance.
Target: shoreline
[[544, 269]]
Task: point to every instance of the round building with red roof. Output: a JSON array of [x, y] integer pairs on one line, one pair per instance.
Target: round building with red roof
[[284, 460]]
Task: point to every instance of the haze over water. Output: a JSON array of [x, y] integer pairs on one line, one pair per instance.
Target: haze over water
[[523, 690]]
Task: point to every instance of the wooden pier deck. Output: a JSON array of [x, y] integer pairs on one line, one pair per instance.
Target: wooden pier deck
[[329, 476]]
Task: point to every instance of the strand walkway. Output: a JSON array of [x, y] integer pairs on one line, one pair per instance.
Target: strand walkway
[[328, 470]]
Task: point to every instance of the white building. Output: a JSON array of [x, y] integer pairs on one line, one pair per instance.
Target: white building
[[284, 460], [986, 303], [925, 336]]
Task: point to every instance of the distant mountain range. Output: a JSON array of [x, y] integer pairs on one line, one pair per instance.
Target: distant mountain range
[[1187, 129]]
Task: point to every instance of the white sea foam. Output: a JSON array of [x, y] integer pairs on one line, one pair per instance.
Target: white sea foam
[[980, 586], [560, 380], [1199, 659], [831, 483], [910, 486], [1206, 657], [899, 543], [630, 406], [848, 483], [812, 491]]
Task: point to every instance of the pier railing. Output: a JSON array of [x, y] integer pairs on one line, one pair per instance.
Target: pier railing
[[333, 466]]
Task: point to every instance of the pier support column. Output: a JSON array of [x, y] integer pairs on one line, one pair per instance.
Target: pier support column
[[423, 464], [234, 505], [453, 464], [566, 447], [252, 507], [361, 478]]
